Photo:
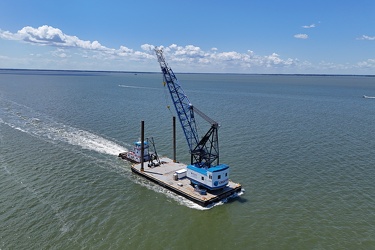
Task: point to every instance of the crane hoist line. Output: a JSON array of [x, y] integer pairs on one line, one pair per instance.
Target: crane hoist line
[[205, 169]]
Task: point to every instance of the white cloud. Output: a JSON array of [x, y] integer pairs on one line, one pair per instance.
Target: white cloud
[[229, 56], [364, 37], [6, 35], [47, 35], [370, 63], [309, 26], [60, 53], [301, 36], [194, 57], [190, 55], [188, 50], [123, 51], [72, 52], [148, 47]]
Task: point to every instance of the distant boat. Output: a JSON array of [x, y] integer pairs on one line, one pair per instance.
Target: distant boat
[[369, 97]]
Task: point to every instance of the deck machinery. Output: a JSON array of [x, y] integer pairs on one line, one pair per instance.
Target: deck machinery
[[204, 169]]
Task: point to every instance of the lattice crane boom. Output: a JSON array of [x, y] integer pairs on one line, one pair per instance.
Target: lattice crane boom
[[204, 151]]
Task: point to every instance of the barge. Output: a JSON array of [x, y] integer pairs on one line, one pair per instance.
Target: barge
[[172, 176], [205, 180]]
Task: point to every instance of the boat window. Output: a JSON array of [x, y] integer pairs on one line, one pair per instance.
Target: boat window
[[219, 176], [226, 174], [210, 177], [202, 178]]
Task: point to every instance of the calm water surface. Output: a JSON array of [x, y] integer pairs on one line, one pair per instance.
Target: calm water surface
[[302, 147]]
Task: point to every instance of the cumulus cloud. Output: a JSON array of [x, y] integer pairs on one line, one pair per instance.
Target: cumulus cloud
[[364, 37], [191, 55], [370, 63], [148, 47], [188, 57], [309, 26], [59, 53], [84, 54], [47, 35], [301, 36], [185, 51]]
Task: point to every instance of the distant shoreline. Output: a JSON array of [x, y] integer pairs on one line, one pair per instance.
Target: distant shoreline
[[145, 72]]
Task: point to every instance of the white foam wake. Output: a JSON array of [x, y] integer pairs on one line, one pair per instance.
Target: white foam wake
[[31, 122], [136, 87]]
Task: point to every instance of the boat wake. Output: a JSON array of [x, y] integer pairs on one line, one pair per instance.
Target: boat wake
[[29, 121], [369, 97], [135, 87]]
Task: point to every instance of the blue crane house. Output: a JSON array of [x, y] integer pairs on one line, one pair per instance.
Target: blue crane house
[[212, 178]]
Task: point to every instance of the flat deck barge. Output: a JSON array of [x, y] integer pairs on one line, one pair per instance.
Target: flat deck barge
[[165, 176]]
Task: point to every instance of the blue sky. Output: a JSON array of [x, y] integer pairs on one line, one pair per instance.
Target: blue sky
[[239, 36]]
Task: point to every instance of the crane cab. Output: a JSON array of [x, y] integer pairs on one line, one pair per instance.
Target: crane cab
[[211, 178]]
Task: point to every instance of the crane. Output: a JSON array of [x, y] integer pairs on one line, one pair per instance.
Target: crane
[[205, 169]]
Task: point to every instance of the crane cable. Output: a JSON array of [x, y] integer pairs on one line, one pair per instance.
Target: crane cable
[[166, 96]]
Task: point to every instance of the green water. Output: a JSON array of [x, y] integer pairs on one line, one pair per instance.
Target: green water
[[301, 146]]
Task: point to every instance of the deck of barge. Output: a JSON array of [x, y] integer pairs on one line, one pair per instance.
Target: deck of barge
[[163, 175]]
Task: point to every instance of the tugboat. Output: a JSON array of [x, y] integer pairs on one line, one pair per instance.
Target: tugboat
[[134, 155]]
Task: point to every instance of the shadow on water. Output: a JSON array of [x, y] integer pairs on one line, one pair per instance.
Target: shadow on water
[[237, 198], [241, 199]]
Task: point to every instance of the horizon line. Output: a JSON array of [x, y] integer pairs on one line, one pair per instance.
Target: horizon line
[[155, 72]]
